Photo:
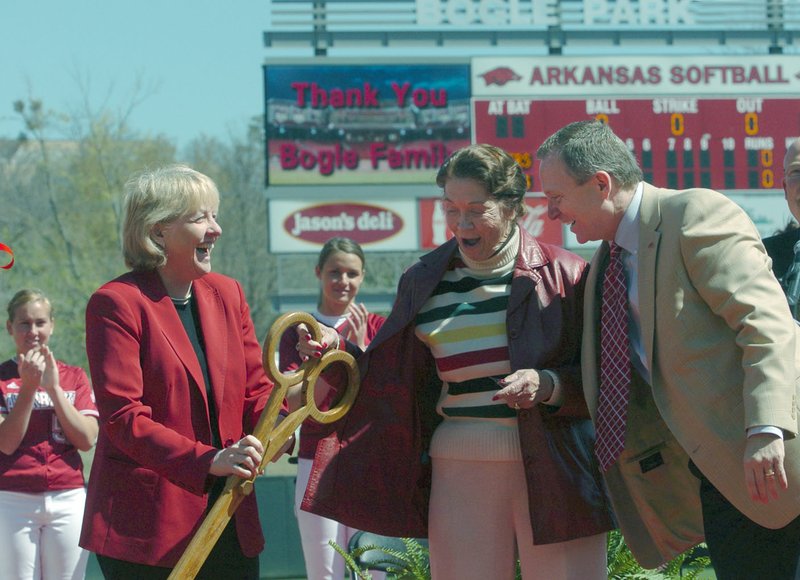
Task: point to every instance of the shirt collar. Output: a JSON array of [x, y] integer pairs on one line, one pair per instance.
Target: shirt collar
[[627, 235]]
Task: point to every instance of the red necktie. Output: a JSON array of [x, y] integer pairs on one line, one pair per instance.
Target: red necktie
[[615, 363]]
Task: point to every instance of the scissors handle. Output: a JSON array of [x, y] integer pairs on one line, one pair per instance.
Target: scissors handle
[[271, 436], [308, 375]]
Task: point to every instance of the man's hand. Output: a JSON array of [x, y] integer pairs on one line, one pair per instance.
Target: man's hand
[[764, 474]]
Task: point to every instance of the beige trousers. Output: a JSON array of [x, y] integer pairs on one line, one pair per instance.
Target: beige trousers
[[479, 526]]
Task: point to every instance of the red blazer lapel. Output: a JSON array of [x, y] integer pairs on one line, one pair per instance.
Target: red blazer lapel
[[171, 327]]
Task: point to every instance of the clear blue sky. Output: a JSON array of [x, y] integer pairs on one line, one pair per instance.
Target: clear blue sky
[[201, 59]]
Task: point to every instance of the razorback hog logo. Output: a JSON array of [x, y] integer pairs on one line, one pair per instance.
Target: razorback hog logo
[[500, 76]]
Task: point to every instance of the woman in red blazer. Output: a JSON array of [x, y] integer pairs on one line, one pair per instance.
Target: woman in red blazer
[[177, 373]]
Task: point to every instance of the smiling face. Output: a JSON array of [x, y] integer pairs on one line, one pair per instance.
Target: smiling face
[[188, 243], [479, 222], [32, 326], [586, 208], [791, 178], [340, 279]]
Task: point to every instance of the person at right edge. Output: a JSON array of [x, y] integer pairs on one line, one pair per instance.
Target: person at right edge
[[784, 248], [689, 362]]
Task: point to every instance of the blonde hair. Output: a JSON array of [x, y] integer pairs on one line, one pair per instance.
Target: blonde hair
[[160, 196], [26, 296]]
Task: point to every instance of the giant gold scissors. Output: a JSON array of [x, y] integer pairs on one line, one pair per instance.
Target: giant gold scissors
[[272, 436]]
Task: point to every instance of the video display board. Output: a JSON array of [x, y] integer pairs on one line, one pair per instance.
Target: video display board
[[363, 124]]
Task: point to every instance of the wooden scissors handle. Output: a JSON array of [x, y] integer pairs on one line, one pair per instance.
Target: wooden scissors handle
[[307, 374], [271, 436]]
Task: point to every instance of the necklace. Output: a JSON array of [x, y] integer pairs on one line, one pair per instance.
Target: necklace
[[181, 301]]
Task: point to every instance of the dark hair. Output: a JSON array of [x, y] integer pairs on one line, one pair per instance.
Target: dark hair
[[26, 296], [344, 245], [586, 147], [491, 166]]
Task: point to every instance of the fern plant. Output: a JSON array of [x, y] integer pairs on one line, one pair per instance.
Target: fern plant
[[349, 559], [413, 563], [623, 566]]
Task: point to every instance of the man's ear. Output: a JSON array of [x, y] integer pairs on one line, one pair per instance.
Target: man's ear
[[603, 181]]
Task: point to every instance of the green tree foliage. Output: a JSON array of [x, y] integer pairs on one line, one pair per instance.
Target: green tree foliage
[[62, 209]]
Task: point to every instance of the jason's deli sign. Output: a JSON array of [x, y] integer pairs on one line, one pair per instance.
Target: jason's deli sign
[[296, 227], [363, 223]]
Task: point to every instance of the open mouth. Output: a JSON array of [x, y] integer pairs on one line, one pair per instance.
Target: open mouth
[[204, 250], [470, 242]]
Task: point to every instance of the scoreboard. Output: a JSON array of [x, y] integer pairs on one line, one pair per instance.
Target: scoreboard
[[735, 143]]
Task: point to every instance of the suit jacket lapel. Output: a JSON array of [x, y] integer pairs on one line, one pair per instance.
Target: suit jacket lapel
[[649, 237], [591, 334]]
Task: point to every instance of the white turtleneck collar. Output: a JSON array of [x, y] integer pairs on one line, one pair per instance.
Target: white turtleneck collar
[[501, 259]]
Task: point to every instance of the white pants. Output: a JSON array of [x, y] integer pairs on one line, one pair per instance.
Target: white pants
[[322, 561], [479, 526], [39, 535]]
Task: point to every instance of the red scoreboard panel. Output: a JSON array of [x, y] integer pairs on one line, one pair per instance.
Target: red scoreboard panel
[[719, 143]]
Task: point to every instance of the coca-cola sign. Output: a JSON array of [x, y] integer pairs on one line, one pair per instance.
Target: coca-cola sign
[[364, 223]]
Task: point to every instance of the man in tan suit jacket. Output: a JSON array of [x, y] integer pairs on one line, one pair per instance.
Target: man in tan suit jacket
[[710, 447]]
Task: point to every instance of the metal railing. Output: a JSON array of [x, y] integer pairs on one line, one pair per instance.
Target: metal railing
[[548, 24]]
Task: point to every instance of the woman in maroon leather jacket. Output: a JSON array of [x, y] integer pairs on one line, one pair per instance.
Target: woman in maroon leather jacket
[[470, 427]]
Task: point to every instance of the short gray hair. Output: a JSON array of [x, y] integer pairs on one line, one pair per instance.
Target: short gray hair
[[586, 147]]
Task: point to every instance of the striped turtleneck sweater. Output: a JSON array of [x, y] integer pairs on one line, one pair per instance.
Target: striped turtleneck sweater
[[463, 324]]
